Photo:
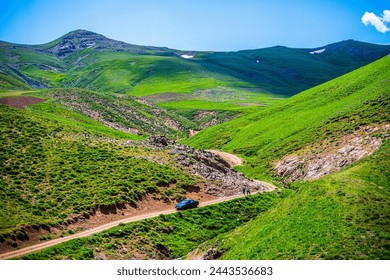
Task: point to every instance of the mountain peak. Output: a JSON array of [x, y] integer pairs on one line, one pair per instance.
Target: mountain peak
[[361, 51], [76, 40], [83, 39], [81, 33]]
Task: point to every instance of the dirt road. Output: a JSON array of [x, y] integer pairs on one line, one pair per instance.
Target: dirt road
[[268, 185], [50, 243], [233, 160]]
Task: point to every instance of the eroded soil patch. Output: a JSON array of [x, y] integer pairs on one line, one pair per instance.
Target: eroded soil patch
[[20, 102]]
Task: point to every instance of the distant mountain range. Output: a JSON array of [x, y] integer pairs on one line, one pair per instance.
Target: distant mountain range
[[84, 59]]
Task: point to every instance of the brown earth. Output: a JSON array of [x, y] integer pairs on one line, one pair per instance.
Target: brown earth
[[20, 101]]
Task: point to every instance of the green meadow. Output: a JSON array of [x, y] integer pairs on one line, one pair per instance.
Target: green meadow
[[327, 111], [341, 216]]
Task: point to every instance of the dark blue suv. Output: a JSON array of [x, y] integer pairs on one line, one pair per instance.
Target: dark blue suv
[[187, 204]]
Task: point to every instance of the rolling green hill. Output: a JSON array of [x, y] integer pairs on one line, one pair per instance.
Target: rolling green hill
[[341, 216], [119, 112], [125, 116], [329, 111], [141, 75], [288, 71], [9, 83], [51, 169], [85, 59]]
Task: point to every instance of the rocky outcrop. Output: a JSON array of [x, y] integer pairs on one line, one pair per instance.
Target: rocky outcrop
[[315, 162], [158, 141], [192, 133], [289, 167], [212, 254], [220, 179]]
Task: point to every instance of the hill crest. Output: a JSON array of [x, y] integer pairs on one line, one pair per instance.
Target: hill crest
[[83, 39]]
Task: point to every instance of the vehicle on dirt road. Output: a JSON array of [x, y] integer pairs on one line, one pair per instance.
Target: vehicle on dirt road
[[187, 204]]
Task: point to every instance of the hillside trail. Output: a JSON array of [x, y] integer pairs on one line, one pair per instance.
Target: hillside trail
[[233, 160], [46, 244]]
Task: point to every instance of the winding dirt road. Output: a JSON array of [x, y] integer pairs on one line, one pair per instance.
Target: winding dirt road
[[89, 232]]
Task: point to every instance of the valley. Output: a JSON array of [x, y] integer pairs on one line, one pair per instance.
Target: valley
[[100, 139]]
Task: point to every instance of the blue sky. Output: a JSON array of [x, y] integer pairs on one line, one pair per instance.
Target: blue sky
[[199, 25]]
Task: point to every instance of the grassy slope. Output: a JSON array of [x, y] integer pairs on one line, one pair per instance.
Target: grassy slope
[[13, 53], [342, 216], [289, 71], [31, 62], [50, 169], [120, 109], [56, 112], [225, 103], [75, 105], [50, 77], [165, 237], [222, 99], [141, 74], [8, 83], [336, 107]]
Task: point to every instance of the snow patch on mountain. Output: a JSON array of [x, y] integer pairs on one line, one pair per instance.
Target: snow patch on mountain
[[317, 51], [187, 56]]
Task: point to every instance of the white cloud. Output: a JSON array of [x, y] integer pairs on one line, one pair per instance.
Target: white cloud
[[378, 22], [386, 15]]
